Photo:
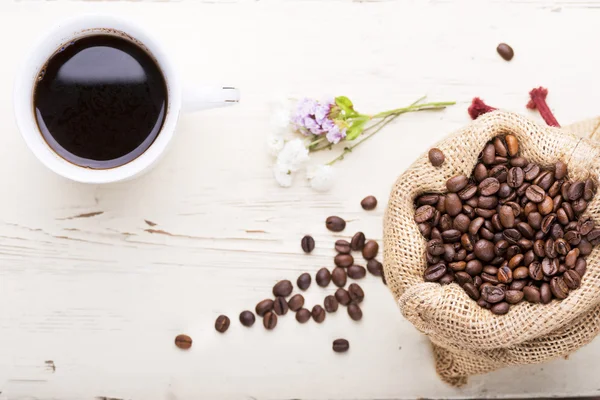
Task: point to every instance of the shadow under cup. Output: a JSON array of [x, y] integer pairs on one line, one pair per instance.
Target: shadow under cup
[[100, 101]]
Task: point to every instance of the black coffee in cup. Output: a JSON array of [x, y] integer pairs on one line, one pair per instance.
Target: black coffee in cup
[[100, 101]]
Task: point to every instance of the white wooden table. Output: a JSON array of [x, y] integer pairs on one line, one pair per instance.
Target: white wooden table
[[89, 306]]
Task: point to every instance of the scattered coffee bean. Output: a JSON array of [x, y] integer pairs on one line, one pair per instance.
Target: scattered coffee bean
[[505, 51], [354, 312], [283, 288], [342, 246], [304, 281], [370, 250], [338, 277], [280, 306], [323, 277], [247, 318], [330, 303], [184, 342], [270, 320], [369, 203], [335, 224], [342, 296], [264, 307], [296, 302], [436, 157], [340, 345], [343, 260], [358, 241], [303, 315], [318, 313], [375, 267], [356, 293], [356, 272], [308, 243], [222, 323]]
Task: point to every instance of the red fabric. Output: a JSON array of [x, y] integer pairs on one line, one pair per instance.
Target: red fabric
[[478, 107], [538, 102]]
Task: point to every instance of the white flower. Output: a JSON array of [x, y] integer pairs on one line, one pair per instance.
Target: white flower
[[321, 177], [280, 112], [293, 156], [283, 175], [275, 144]]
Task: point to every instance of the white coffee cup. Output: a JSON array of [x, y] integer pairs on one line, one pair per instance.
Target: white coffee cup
[[197, 99]]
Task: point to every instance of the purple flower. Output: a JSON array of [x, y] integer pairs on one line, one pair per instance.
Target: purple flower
[[336, 134], [312, 117]]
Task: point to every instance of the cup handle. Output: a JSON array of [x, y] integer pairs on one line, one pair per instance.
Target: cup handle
[[205, 97]]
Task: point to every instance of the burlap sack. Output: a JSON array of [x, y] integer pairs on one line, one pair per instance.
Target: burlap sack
[[467, 339]]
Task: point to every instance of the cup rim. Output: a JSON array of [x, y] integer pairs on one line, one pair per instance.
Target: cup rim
[[39, 54]]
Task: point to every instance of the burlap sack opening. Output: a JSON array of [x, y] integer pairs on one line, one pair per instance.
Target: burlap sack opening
[[467, 339]]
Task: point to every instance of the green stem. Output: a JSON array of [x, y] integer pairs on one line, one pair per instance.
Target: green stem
[[415, 107], [316, 142]]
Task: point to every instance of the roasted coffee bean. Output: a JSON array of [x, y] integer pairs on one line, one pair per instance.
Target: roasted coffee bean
[[531, 171], [460, 255], [488, 154], [486, 234], [369, 203], [505, 275], [318, 314], [453, 205], [518, 284], [457, 183], [356, 293], [536, 271], [358, 241], [559, 288], [222, 323], [304, 281], [483, 304], [562, 217], [539, 248], [484, 250], [504, 191], [270, 320], [500, 147], [500, 308], [520, 273], [477, 281], [280, 306], [535, 194], [485, 213], [512, 235], [555, 189], [425, 229], [441, 205], [450, 236], [532, 294], [579, 205], [526, 230], [572, 237], [499, 172], [435, 247], [560, 170], [480, 172], [589, 189], [529, 208], [535, 220], [571, 257], [557, 232], [514, 296], [296, 302], [336, 224], [490, 270], [519, 162], [572, 279], [375, 267], [556, 203], [547, 222], [468, 192], [594, 237], [576, 190], [283, 288], [512, 145], [264, 307], [561, 246], [247, 318], [331, 304], [489, 186], [338, 277], [492, 294], [545, 293], [544, 180], [585, 247], [436, 157], [586, 227], [546, 206], [550, 249], [501, 247], [343, 260], [461, 223], [525, 244], [580, 267], [462, 278], [515, 177], [561, 269], [184, 342], [356, 272], [307, 243], [471, 290], [371, 249], [342, 296], [354, 312], [342, 246], [550, 266], [507, 218], [473, 267], [515, 261], [512, 251], [323, 277], [303, 315], [469, 211], [342, 345], [429, 199]]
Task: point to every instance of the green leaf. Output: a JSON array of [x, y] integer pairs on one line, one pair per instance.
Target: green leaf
[[345, 105], [356, 129]]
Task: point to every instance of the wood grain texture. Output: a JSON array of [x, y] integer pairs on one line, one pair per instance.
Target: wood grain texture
[[96, 281]]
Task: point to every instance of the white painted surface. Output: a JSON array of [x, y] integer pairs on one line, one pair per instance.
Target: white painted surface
[[102, 297]]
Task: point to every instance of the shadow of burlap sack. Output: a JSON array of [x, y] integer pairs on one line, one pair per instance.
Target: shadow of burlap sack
[[466, 338]]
